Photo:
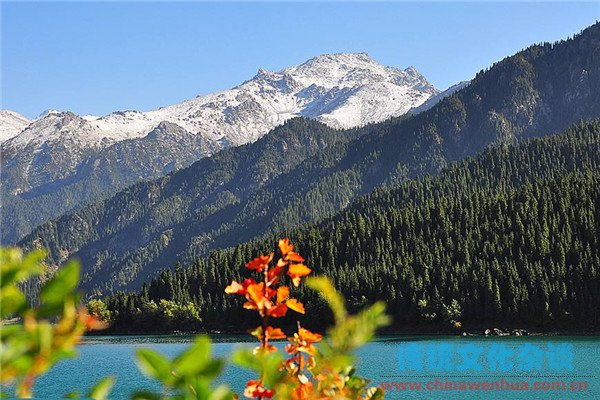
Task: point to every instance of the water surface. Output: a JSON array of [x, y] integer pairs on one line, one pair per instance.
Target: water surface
[[379, 361]]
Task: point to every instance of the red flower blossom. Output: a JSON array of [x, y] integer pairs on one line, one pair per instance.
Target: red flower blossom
[[256, 389], [260, 263]]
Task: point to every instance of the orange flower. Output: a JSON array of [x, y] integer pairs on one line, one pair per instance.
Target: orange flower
[[305, 389], [291, 256], [275, 333], [291, 366], [285, 246], [308, 336], [272, 333], [272, 300], [283, 292], [256, 389], [274, 273], [255, 293], [297, 271], [237, 288], [295, 305], [250, 305], [260, 263], [278, 311], [263, 350], [303, 342], [281, 263]]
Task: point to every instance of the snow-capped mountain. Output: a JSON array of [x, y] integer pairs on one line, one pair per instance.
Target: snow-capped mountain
[[11, 124], [60, 150], [342, 90]]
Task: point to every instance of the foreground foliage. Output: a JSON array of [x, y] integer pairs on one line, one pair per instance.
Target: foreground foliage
[[49, 332], [307, 372]]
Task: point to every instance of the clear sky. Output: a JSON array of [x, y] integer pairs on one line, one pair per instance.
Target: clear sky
[[98, 57]]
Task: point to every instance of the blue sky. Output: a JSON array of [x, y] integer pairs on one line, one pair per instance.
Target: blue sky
[[97, 57]]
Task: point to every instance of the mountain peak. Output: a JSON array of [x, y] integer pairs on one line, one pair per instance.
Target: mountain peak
[[337, 60], [262, 71], [47, 112], [340, 89], [328, 61], [354, 70], [343, 57]]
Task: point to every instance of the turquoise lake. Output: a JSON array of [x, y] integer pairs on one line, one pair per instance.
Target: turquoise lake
[[380, 361]]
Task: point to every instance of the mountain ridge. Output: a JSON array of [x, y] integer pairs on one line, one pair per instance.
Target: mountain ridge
[[327, 71], [52, 166]]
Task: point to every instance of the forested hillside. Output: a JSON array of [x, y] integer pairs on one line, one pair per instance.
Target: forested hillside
[[304, 177], [99, 174], [121, 235], [512, 235]]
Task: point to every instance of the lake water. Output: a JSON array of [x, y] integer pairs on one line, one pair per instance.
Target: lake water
[[383, 361]]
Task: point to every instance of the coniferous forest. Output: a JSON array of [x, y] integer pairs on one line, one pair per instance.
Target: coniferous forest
[[511, 235]]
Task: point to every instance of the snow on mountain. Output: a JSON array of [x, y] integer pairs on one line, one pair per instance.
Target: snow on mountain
[[49, 111], [89, 117], [11, 124], [433, 100], [342, 90], [55, 126], [91, 154]]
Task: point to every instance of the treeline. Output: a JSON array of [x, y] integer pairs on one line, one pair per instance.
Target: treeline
[[511, 236]]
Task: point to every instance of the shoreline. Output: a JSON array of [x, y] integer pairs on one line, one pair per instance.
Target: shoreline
[[490, 330], [382, 333]]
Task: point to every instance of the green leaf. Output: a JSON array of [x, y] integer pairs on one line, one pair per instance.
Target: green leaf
[[145, 395], [154, 365], [246, 359], [212, 369], [327, 291], [195, 358], [12, 301], [198, 389], [221, 393], [62, 284], [15, 268], [271, 368], [45, 334], [267, 364], [102, 389]]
